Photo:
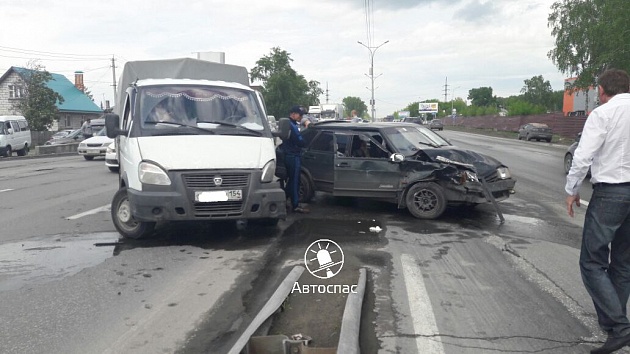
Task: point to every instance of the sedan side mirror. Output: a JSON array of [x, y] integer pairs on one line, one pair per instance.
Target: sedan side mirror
[[397, 158]]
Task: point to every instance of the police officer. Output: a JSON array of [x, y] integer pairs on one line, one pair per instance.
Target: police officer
[[292, 148]]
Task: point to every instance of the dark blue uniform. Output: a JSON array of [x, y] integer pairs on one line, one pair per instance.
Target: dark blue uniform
[[292, 149]]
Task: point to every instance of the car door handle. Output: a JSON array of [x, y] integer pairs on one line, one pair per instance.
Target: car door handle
[[309, 157], [343, 164]]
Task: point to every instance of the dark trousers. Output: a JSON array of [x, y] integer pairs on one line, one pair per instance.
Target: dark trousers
[[607, 222], [293, 164]]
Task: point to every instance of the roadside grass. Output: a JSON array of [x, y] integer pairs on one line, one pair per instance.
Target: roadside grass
[[556, 139]]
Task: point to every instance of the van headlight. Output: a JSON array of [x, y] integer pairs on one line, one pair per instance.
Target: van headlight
[[152, 174], [268, 171], [504, 173]]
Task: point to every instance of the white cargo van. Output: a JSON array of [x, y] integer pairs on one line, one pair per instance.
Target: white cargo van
[[194, 144], [15, 135]]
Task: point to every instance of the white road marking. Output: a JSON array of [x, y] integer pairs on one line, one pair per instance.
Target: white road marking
[[89, 212], [428, 340], [582, 201], [5, 190]]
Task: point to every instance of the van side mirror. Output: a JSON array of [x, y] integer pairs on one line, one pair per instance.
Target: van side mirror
[[284, 129], [112, 123]]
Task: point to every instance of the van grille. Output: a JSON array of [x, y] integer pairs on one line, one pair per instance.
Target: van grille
[[206, 181]]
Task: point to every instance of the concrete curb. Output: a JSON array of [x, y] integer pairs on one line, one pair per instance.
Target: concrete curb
[[351, 321]]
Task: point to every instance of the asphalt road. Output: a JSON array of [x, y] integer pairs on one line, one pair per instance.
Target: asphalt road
[[461, 284]]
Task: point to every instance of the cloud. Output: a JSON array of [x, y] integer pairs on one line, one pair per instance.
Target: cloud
[[473, 43]]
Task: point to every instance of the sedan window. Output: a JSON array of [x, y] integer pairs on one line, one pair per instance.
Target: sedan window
[[324, 142]]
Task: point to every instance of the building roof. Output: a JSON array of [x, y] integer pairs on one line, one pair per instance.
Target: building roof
[[75, 101]]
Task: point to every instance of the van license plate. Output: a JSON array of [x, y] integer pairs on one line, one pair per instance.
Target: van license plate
[[218, 196]]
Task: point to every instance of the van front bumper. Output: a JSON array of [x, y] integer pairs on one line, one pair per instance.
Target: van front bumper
[[178, 201]]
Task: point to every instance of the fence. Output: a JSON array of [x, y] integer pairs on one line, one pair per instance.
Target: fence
[[560, 124]]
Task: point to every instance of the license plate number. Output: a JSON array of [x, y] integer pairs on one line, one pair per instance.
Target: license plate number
[[218, 196]]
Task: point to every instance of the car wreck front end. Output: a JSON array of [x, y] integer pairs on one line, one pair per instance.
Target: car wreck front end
[[466, 177]]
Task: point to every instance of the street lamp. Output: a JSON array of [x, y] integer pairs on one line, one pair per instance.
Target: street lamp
[[372, 51], [453, 96]]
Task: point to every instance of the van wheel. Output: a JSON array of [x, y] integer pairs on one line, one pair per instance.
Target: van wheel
[[124, 222], [89, 158], [426, 200], [24, 151], [306, 189], [8, 152]]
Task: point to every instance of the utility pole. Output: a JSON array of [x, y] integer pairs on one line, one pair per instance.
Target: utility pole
[[371, 76], [326, 92], [446, 90], [114, 79]]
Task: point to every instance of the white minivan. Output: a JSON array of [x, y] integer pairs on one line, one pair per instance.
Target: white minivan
[[15, 135]]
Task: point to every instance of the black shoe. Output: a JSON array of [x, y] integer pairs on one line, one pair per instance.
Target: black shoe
[[612, 344]]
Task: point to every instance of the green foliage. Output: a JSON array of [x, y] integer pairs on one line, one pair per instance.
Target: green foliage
[[537, 91], [354, 103], [518, 106], [481, 96], [283, 87], [39, 103], [590, 37]]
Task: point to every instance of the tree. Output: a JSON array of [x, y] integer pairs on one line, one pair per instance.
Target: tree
[[537, 91], [354, 103], [481, 96], [590, 37], [39, 103], [283, 87]]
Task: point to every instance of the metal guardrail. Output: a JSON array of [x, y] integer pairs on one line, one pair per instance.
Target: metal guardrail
[[281, 344]]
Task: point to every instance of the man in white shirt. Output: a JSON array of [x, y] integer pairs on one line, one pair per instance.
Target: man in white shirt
[[605, 148]]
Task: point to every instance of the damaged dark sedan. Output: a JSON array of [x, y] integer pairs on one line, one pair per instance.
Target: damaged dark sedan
[[403, 163]]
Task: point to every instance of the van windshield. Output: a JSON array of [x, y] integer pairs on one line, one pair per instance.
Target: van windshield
[[2, 129], [164, 108]]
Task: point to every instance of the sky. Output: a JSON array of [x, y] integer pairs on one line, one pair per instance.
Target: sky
[[435, 47]]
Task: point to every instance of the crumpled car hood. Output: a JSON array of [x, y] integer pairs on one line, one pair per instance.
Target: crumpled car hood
[[484, 164]]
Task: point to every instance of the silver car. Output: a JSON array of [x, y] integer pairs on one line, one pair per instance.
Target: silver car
[[568, 156]]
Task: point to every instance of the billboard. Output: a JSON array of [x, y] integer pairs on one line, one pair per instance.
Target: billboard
[[427, 107]]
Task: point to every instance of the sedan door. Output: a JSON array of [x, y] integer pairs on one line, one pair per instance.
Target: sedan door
[[318, 161], [372, 176]]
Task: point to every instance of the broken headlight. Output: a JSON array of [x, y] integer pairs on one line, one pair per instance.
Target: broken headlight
[[504, 173], [467, 176]]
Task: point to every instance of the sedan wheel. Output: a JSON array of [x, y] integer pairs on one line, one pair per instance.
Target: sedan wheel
[[426, 200], [568, 161]]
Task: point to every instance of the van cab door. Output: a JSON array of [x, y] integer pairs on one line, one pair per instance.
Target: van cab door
[[366, 174]]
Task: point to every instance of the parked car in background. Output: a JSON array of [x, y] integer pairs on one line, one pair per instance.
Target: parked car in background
[[75, 137], [537, 131], [568, 156], [15, 135], [95, 146], [111, 158], [402, 163], [61, 134], [436, 124]]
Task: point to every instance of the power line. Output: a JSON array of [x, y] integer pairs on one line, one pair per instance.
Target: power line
[[53, 54]]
